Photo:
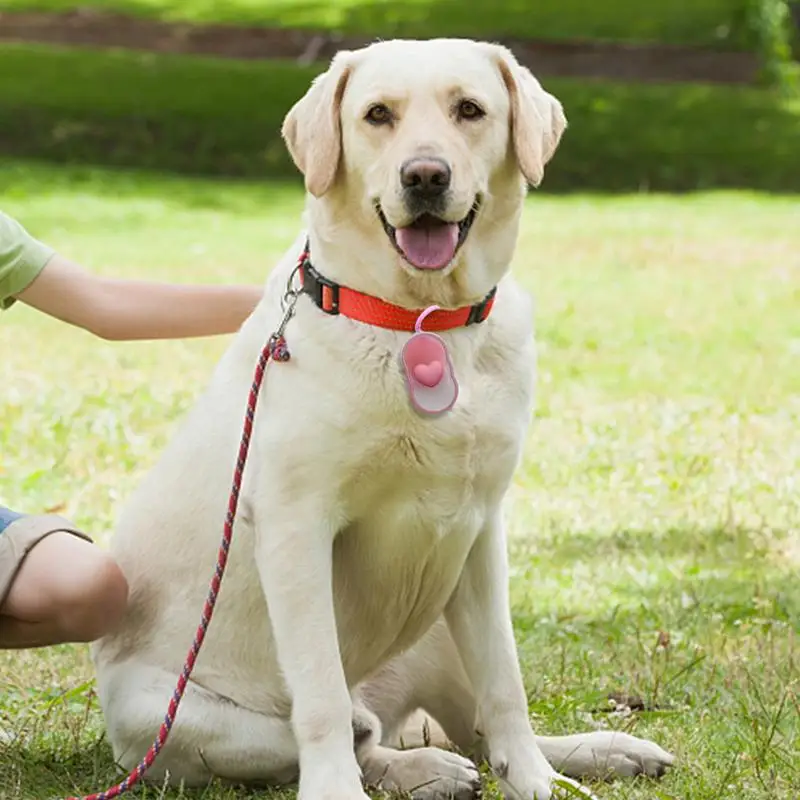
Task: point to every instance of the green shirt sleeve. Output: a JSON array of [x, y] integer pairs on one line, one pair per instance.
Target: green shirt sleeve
[[22, 258]]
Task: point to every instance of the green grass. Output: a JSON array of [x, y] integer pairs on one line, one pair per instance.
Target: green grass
[[702, 22], [658, 493], [222, 117]]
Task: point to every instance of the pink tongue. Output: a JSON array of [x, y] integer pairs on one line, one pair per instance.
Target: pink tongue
[[428, 247]]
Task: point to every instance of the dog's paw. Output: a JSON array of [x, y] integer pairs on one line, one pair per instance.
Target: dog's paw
[[558, 787], [326, 785], [611, 754], [425, 774], [539, 785], [333, 793]]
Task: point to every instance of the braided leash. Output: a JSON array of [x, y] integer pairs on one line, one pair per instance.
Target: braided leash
[[276, 350]]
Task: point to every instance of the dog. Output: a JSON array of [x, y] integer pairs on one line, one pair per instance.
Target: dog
[[368, 573]]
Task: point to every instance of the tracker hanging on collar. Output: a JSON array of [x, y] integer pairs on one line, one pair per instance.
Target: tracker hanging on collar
[[430, 378], [424, 361]]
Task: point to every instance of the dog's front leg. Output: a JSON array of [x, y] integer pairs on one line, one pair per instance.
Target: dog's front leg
[[294, 551], [479, 617]]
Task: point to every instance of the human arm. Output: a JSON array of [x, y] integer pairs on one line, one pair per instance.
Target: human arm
[[119, 309]]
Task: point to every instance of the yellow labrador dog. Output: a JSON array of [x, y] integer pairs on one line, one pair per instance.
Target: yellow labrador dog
[[367, 577]]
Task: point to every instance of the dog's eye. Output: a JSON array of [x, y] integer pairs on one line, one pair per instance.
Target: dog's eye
[[469, 109], [378, 114]]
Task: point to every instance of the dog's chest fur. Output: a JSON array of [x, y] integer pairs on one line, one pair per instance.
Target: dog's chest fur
[[415, 491]]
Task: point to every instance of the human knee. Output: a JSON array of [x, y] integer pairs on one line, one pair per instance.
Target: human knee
[[94, 598]]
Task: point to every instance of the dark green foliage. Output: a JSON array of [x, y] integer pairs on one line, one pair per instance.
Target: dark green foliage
[[214, 117]]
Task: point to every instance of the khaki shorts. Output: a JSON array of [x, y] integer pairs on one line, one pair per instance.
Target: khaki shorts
[[19, 535]]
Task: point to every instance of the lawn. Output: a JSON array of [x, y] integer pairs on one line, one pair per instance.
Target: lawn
[[698, 22], [655, 520], [223, 117]]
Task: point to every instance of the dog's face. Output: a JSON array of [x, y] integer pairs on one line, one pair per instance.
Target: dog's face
[[422, 149]]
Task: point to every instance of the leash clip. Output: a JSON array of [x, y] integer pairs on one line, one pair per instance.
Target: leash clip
[[288, 304], [277, 346], [291, 293]]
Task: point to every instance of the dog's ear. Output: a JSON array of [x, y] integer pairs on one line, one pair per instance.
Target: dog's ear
[[537, 118], [312, 129]]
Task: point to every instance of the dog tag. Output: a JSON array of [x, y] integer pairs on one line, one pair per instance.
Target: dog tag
[[431, 382]]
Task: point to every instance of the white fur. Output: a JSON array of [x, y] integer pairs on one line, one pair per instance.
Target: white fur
[[367, 576]]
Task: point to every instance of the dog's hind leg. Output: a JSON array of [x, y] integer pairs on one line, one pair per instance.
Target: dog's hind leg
[[212, 737], [430, 677], [426, 773]]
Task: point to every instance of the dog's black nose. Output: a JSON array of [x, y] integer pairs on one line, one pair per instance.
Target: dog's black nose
[[425, 177]]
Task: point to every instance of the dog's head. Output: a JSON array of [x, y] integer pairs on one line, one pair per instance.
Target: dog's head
[[416, 155]]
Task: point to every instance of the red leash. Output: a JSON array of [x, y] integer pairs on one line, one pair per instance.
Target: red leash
[[275, 349]]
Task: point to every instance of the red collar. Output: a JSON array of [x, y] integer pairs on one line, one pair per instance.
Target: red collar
[[334, 299]]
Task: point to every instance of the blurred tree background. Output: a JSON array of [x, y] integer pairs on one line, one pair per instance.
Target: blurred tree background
[[684, 95]]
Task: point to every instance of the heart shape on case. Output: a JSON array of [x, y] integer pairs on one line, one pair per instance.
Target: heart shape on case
[[429, 374]]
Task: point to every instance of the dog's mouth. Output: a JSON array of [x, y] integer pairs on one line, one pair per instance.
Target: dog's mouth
[[429, 242]]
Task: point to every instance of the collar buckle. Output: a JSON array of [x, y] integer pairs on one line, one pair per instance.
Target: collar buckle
[[324, 292]]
